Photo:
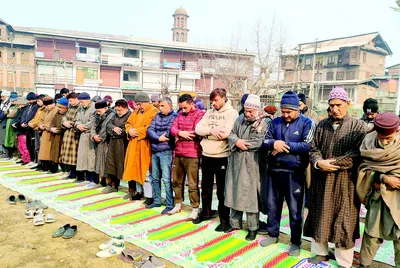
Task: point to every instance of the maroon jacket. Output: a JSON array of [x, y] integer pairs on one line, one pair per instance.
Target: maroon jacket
[[187, 122]]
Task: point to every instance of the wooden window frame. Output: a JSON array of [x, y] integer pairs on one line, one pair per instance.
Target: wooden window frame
[[337, 75]]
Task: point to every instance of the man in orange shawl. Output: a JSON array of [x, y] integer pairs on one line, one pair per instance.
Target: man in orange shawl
[[138, 153]]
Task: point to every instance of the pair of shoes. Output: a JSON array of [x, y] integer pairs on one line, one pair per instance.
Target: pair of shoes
[[294, 250], [130, 256], [67, 231], [109, 189], [251, 235], [137, 196], [269, 241], [112, 247], [150, 262], [223, 227], [317, 259], [153, 205], [12, 200], [166, 210], [200, 219]]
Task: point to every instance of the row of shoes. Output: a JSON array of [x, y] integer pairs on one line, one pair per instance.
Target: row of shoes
[[35, 210], [116, 245]]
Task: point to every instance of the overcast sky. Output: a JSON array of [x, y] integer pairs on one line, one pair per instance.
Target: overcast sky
[[212, 22]]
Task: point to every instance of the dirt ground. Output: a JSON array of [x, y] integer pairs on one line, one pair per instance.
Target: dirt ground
[[24, 245]]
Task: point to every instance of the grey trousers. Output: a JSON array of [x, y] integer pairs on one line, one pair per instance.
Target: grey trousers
[[370, 246], [252, 219]]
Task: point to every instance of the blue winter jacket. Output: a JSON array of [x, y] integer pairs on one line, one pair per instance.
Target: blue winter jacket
[[161, 124], [298, 135]]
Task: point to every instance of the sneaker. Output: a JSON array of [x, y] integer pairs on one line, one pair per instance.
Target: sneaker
[[129, 195], [112, 250], [294, 250], [153, 205], [269, 241], [115, 240], [93, 185], [166, 211], [109, 189]]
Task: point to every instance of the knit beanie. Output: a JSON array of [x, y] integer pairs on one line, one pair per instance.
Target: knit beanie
[[31, 96], [244, 98], [84, 96], [290, 101], [142, 97], [252, 102], [155, 98], [5, 93], [62, 102], [370, 106], [96, 98], [270, 109], [338, 93], [13, 96], [386, 123], [100, 104], [108, 98], [302, 98]]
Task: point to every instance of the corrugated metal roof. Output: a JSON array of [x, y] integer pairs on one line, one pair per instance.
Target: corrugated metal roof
[[131, 40], [336, 44]]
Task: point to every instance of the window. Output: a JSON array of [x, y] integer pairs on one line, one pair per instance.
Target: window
[[131, 53], [131, 76], [308, 61], [182, 37], [83, 50], [11, 57], [10, 79], [183, 65], [339, 75], [24, 58], [331, 59], [317, 77], [177, 37], [364, 57], [25, 80], [329, 76], [350, 75], [319, 61]]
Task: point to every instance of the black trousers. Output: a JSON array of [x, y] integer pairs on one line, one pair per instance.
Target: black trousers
[[115, 182], [210, 167], [30, 144]]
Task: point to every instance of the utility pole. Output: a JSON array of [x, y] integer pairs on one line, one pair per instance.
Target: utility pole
[[312, 93], [280, 51], [297, 68]]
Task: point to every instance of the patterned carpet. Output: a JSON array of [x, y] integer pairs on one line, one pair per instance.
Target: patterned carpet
[[170, 237]]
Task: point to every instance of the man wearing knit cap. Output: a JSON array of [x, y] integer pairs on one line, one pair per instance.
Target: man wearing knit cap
[[86, 161], [242, 185], [69, 147], [370, 109], [378, 187], [101, 138], [56, 131], [215, 127], [108, 99], [333, 206], [306, 110], [289, 140], [28, 115], [138, 153], [155, 100]]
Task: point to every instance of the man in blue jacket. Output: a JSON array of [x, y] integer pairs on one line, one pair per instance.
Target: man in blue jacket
[[162, 145], [289, 141]]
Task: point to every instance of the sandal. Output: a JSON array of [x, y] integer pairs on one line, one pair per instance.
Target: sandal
[[12, 200], [49, 218], [21, 198], [38, 218], [30, 213]]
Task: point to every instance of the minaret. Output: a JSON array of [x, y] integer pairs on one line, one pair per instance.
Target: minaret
[[180, 30]]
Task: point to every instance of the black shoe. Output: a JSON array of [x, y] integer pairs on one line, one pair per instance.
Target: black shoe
[[222, 227], [103, 183], [24, 164], [200, 219], [251, 235], [19, 162], [137, 196], [225, 229], [148, 201]]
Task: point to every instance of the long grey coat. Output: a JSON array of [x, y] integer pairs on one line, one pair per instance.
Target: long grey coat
[[87, 147], [242, 184], [100, 128]]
